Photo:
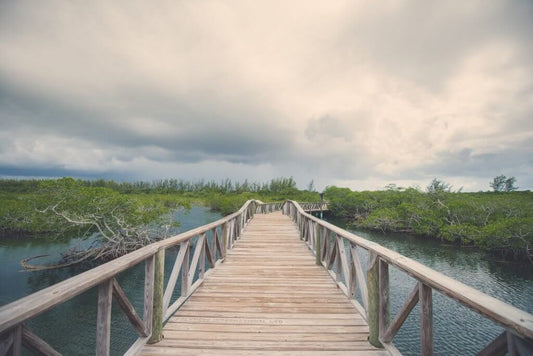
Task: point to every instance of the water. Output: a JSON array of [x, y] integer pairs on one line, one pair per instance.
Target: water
[[71, 327], [457, 329]]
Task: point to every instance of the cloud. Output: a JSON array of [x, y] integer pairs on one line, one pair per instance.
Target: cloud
[[352, 93]]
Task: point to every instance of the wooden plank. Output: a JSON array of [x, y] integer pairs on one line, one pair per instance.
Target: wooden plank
[[196, 256], [384, 309], [37, 345], [359, 275], [254, 302], [154, 275], [158, 350], [343, 261], [172, 280], [103, 318], [508, 316], [426, 320], [185, 280], [30, 306], [128, 309], [402, 315], [16, 348]]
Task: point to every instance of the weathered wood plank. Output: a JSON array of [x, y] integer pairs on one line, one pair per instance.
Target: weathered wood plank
[[426, 320], [402, 315], [129, 310], [255, 302], [36, 344], [174, 274], [384, 309], [508, 316], [103, 318]]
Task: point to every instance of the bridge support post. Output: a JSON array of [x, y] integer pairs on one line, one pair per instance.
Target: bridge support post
[[372, 278], [157, 315], [318, 243]]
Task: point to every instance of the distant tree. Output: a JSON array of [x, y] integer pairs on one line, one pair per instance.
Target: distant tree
[[311, 186], [503, 184], [438, 186]]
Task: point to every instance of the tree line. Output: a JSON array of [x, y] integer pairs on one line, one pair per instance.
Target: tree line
[[495, 221]]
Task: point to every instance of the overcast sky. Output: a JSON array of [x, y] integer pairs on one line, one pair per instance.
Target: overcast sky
[[347, 93]]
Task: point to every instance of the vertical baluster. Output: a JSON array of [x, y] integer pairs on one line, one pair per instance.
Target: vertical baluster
[[185, 281], [201, 259], [372, 278], [154, 270], [103, 319], [384, 302], [426, 320], [16, 347], [318, 242]]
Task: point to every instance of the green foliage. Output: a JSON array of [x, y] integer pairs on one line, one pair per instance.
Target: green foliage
[[503, 184], [496, 222]]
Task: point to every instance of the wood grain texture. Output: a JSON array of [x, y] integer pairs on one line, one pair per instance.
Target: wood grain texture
[[268, 297], [520, 321]]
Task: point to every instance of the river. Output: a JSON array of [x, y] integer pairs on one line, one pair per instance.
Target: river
[[70, 327]]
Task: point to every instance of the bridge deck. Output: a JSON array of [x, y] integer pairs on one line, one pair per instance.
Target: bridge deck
[[268, 297]]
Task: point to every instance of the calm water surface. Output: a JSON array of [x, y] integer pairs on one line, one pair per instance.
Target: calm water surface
[[457, 329], [70, 327]]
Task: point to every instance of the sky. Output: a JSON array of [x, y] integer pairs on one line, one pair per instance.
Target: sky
[[357, 94]]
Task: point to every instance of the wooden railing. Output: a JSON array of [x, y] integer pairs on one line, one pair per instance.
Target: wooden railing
[[314, 206], [337, 251], [190, 261]]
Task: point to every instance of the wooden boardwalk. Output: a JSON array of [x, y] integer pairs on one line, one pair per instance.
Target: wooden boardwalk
[[268, 297]]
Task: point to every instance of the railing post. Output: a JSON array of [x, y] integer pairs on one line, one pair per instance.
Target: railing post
[[426, 320], [103, 318], [318, 243], [372, 278], [157, 308], [384, 302], [225, 233]]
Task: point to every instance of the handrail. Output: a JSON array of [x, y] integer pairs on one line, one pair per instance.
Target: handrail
[[375, 293], [225, 232]]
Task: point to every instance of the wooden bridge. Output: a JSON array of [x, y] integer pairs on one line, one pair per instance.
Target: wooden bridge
[[268, 279]]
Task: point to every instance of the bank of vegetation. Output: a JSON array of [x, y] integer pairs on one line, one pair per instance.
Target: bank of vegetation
[[499, 221], [119, 217]]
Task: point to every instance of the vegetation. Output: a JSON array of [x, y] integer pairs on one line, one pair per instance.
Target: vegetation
[[503, 184], [495, 221], [119, 217], [58, 206], [122, 216]]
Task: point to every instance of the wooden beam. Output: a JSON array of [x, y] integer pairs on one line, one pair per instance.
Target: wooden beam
[[103, 318], [37, 345], [318, 251], [402, 315], [360, 276], [128, 309], [343, 261], [372, 277], [426, 320], [209, 252], [174, 274], [196, 256], [384, 297], [154, 276], [16, 348]]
